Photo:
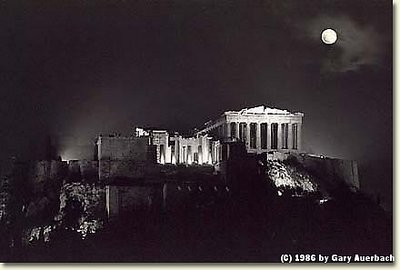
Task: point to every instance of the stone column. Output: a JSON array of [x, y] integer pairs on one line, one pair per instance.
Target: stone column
[[163, 154], [178, 153], [214, 150], [290, 137], [258, 137], [247, 135], [228, 130], [237, 130], [279, 144], [219, 152], [299, 136], [269, 134]]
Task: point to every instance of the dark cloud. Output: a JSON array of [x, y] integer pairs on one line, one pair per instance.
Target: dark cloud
[[357, 45]]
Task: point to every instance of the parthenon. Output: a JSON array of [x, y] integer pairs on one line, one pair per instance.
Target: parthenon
[[261, 128]]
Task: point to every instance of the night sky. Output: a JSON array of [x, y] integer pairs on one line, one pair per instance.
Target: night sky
[[80, 68]]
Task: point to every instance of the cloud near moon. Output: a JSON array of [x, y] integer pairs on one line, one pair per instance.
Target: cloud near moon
[[357, 46]]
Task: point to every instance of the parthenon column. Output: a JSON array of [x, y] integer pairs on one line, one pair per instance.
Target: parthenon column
[[258, 136], [299, 136], [269, 133], [237, 130], [279, 137], [222, 130], [290, 137], [247, 135], [228, 130]]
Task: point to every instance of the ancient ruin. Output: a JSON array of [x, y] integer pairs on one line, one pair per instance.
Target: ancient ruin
[[261, 129], [242, 161]]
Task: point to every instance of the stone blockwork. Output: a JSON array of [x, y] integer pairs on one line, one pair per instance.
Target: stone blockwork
[[47, 172], [186, 195], [331, 171], [83, 171], [175, 187], [125, 157], [132, 169], [89, 170], [46, 178], [125, 200], [123, 147]]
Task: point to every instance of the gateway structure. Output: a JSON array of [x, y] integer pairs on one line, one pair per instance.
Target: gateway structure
[[177, 149]]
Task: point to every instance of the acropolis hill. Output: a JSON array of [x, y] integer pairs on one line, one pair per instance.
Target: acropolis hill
[[246, 162]]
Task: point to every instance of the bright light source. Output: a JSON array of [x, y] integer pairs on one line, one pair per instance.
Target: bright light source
[[329, 36]]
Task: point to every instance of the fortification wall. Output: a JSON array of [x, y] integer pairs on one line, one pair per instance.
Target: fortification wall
[[89, 170], [46, 169], [180, 196], [332, 171], [127, 169], [125, 157], [116, 148], [122, 200], [47, 172]]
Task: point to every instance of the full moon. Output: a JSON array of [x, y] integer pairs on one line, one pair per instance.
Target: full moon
[[329, 36]]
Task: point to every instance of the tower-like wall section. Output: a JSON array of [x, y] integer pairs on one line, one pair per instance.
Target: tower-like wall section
[[116, 148], [124, 157]]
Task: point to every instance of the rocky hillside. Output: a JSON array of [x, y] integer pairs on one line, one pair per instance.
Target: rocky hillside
[[290, 178]]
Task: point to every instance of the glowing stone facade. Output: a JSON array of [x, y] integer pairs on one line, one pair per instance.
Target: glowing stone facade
[[261, 128], [176, 149]]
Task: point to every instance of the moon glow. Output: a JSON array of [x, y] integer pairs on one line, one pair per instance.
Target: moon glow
[[329, 36]]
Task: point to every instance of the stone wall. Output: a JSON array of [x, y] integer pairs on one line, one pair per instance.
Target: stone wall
[[45, 169], [186, 195], [74, 171], [83, 171], [125, 157], [89, 170], [46, 172], [116, 148], [111, 169], [125, 200], [332, 171]]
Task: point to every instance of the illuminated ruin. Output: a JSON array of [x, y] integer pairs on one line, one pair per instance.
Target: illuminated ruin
[[261, 129]]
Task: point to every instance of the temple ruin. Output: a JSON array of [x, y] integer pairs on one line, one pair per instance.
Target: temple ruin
[[261, 129]]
